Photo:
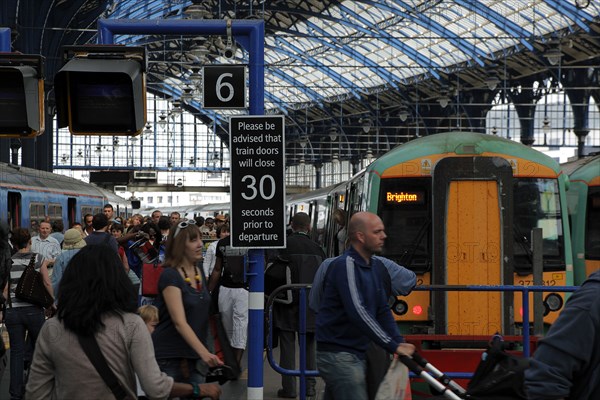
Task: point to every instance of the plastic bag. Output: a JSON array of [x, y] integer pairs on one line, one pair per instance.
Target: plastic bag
[[395, 384]]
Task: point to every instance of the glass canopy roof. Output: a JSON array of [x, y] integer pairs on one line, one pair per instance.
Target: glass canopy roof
[[323, 51]]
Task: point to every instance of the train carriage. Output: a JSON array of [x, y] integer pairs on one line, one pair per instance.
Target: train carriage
[[459, 208], [584, 212], [28, 195]]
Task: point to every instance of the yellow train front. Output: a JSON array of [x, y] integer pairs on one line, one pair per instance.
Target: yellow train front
[[459, 209]]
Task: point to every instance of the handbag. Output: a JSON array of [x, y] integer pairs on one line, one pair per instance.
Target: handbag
[[150, 275], [31, 288], [395, 384]]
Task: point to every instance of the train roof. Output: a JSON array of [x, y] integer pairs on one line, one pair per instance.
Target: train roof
[[313, 194], [23, 178], [584, 169], [463, 143]]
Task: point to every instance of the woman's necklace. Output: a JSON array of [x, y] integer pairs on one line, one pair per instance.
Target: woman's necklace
[[197, 277]]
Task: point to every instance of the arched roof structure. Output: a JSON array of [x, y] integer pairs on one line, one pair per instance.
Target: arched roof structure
[[331, 66]]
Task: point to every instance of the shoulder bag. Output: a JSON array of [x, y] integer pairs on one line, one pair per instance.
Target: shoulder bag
[[31, 288], [94, 354]]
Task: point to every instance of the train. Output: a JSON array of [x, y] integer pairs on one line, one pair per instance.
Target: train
[[29, 196], [584, 213], [459, 209]]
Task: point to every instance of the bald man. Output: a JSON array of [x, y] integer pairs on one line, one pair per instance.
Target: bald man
[[354, 311]]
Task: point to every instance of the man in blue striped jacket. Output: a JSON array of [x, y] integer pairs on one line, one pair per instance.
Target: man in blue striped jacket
[[354, 311]]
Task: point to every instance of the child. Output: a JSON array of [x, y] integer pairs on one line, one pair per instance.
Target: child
[[149, 314]]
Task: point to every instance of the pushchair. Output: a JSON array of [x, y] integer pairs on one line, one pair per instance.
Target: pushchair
[[499, 376]]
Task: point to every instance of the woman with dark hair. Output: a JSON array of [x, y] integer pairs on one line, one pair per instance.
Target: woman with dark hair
[[22, 317], [97, 299], [183, 303]]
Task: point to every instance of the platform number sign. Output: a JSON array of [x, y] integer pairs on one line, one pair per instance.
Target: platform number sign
[[257, 154], [224, 86]]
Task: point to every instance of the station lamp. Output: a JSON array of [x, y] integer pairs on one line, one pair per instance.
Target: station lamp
[[101, 90], [21, 95]]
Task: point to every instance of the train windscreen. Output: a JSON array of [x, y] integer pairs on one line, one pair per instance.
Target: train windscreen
[[592, 229], [404, 207], [537, 205]]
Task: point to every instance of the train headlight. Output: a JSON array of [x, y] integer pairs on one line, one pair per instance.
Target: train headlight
[[400, 307], [553, 302]]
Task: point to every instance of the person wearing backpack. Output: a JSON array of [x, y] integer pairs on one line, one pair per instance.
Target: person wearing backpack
[[566, 364], [228, 273], [304, 256]]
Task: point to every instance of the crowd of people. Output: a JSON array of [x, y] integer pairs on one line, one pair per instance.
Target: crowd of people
[[132, 346], [93, 271]]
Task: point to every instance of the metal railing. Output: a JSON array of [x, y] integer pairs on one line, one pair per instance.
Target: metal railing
[[302, 372]]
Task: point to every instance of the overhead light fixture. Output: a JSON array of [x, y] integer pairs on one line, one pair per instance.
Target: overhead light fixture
[[302, 161], [369, 155], [335, 159], [162, 120], [116, 144], [303, 140], [492, 82], [197, 11], [199, 50], [99, 149], [64, 158], [444, 100], [148, 130], [546, 125], [366, 124], [195, 77], [176, 107], [79, 153], [494, 130], [403, 113], [582, 3], [188, 93], [333, 133], [553, 55]]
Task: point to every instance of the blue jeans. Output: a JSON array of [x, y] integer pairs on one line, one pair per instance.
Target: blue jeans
[[20, 320], [344, 375]]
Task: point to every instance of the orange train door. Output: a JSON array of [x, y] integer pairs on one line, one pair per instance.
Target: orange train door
[[472, 257], [471, 241]]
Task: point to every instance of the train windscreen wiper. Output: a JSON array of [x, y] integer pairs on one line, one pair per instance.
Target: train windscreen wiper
[[410, 250]]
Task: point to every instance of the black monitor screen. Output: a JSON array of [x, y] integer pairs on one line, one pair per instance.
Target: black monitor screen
[[13, 109], [101, 103]]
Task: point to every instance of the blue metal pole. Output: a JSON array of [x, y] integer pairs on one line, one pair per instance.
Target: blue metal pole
[[526, 322], [5, 40], [250, 34], [256, 307], [302, 342]]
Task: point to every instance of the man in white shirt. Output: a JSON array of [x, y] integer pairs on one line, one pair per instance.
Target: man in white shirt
[[44, 244]]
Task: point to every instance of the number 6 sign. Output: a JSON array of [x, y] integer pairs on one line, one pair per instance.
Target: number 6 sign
[[224, 86]]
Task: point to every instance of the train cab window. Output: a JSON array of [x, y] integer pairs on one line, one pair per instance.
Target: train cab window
[[404, 207], [592, 229], [537, 205]]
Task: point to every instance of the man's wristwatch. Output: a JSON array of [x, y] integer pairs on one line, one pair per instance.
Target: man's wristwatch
[[195, 391]]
